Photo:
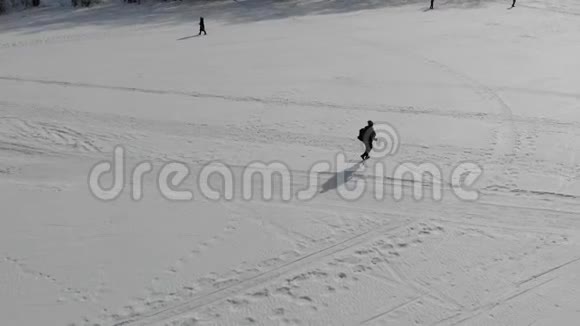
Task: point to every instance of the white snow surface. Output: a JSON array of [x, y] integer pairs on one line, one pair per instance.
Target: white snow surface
[[291, 82]]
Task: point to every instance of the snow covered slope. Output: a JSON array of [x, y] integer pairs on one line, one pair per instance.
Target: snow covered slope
[[468, 84]]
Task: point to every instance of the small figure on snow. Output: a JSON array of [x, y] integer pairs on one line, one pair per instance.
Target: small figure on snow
[[434, 1], [201, 26], [514, 3], [367, 135]]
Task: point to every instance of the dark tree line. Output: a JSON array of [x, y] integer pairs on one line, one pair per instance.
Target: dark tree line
[[6, 5], [82, 3]]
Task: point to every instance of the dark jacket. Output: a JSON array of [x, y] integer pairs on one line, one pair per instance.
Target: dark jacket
[[368, 135]]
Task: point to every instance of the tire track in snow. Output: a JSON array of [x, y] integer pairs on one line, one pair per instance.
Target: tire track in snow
[[188, 306], [64, 38], [230, 227], [507, 138], [537, 92], [550, 9], [99, 142], [55, 39], [402, 305], [519, 288], [284, 101], [249, 99], [502, 299], [546, 272], [45, 133]]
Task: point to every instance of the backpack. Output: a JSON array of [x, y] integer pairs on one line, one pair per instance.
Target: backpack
[[361, 134]]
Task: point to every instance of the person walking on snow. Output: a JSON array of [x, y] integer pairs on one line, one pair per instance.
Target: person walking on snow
[[514, 3], [201, 26], [367, 135]]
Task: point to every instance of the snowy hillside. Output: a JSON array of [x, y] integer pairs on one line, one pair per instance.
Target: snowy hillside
[[482, 97]]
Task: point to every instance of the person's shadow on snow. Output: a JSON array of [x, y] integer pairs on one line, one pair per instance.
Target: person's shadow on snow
[[335, 182], [188, 37]]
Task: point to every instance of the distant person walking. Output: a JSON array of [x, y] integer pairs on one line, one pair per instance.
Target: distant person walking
[[367, 135], [202, 26], [514, 4], [434, 1]]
